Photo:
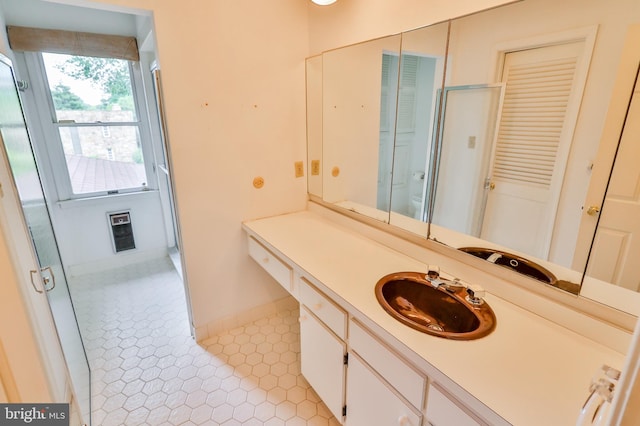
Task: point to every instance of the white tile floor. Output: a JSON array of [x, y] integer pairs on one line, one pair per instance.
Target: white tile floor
[[147, 370]]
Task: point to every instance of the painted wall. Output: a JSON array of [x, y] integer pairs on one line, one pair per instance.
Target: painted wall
[[84, 232]]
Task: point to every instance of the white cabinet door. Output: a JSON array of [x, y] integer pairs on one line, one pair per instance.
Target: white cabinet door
[[322, 361], [442, 411], [370, 401]]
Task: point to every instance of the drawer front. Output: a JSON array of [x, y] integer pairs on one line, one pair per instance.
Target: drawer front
[[442, 411], [407, 381], [279, 270], [371, 401], [327, 311]]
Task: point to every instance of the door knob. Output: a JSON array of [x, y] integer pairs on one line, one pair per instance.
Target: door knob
[[593, 210], [489, 185]]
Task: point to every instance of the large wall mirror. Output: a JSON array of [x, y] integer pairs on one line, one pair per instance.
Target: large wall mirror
[[359, 88], [487, 128]]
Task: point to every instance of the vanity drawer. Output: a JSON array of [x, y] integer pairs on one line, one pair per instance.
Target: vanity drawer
[[323, 308], [410, 383], [279, 270]]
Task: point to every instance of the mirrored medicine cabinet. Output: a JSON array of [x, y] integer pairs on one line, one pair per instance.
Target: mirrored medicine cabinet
[[496, 130]]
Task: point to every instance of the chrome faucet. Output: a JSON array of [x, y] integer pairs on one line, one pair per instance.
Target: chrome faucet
[[494, 257], [475, 294], [433, 276]]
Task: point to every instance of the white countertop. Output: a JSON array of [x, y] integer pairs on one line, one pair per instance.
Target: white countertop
[[529, 370]]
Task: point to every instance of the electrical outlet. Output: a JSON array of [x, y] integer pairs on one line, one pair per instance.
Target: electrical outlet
[[315, 167], [299, 167]]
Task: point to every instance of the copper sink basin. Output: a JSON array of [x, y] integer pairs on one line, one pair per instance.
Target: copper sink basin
[[512, 261], [442, 311]]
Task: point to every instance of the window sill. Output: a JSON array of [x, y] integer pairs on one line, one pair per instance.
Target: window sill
[[104, 199]]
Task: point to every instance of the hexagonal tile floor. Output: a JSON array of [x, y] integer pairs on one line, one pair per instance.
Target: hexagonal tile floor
[[146, 369]]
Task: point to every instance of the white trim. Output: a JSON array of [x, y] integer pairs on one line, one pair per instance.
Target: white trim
[[45, 127], [103, 199], [114, 262], [586, 34]]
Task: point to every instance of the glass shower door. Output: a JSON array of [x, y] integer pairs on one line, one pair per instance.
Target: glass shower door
[[50, 279]]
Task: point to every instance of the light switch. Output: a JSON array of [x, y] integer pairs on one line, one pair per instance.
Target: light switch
[[299, 168], [315, 167]]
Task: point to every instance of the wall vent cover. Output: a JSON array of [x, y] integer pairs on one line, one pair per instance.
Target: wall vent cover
[[121, 231]]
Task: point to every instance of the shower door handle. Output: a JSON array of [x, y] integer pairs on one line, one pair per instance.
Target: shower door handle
[[46, 280], [51, 279], [31, 272]]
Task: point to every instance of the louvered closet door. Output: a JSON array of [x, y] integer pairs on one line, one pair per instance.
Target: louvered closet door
[[532, 146]]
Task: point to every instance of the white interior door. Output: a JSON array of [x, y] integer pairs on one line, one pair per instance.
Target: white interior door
[[542, 96], [616, 247]]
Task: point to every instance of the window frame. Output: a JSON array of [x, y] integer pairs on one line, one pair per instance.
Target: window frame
[[53, 143]]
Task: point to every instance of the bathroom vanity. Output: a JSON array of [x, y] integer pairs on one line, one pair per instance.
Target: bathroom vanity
[[370, 368]]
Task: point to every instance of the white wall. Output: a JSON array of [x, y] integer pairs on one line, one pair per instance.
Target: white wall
[[84, 233]]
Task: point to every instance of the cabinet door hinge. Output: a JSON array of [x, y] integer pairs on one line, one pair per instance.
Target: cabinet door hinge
[[345, 359], [344, 411]]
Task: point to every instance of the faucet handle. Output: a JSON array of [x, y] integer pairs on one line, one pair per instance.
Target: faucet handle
[[433, 271], [475, 294]]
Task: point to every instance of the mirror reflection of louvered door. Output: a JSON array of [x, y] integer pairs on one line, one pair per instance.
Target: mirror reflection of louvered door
[[532, 147]]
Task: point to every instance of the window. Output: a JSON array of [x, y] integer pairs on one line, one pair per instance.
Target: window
[[96, 120]]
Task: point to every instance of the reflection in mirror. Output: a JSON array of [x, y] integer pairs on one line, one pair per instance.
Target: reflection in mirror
[[556, 195], [355, 123], [314, 124], [467, 132], [616, 246], [548, 128], [421, 72], [615, 251]]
